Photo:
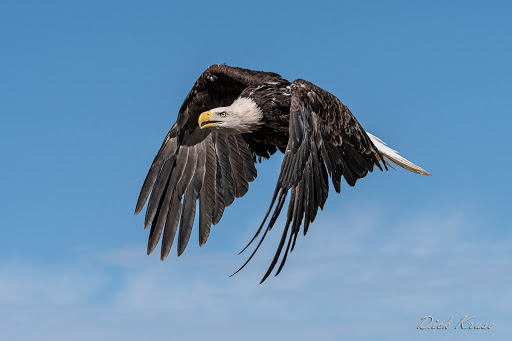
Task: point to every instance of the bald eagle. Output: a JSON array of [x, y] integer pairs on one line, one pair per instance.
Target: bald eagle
[[231, 119]]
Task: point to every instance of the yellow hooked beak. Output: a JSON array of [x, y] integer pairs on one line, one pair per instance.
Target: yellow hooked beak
[[206, 121]]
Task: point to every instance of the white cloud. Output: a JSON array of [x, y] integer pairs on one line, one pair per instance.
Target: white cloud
[[24, 283], [374, 276]]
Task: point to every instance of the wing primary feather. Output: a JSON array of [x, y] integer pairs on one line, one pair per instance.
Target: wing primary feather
[[247, 159], [189, 201], [187, 220], [294, 220], [276, 191], [280, 202], [298, 213], [167, 150], [313, 207], [158, 224], [225, 165], [307, 197], [147, 186], [188, 171], [324, 184], [252, 254], [283, 237], [354, 161], [241, 185], [176, 175], [328, 158], [285, 166], [285, 255], [339, 168], [286, 170], [158, 189], [171, 225], [208, 191], [316, 176], [348, 174], [152, 232], [219, 196], [277, 210]]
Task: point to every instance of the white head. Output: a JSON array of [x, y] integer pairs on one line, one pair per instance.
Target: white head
[[241, 117]]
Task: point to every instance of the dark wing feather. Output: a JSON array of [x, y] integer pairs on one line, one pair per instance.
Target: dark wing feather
[[237, 165], [325, 141], [200, 165], [208, 192], [225, 169], [191, 195]]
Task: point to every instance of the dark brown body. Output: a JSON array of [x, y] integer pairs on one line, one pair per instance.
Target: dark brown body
[[273, 98]]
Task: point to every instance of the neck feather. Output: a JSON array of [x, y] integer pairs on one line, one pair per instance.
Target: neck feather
[[248, 113]]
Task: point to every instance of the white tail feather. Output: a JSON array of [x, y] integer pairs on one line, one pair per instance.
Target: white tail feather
[[392, 155]]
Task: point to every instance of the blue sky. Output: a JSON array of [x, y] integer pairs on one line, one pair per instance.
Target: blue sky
[[89, 90]]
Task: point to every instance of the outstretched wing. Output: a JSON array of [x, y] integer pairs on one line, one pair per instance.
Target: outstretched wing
[[325, 140], [199, 165]]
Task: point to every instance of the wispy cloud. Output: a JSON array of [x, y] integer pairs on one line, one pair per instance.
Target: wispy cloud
[[23, 283], [373, 276]]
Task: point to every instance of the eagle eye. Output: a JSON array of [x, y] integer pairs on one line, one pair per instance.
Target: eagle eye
[[222, 114]]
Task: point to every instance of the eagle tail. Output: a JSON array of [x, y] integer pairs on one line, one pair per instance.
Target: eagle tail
[[393, 156]]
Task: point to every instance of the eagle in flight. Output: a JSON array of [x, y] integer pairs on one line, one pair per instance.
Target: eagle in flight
[[231, 119]]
